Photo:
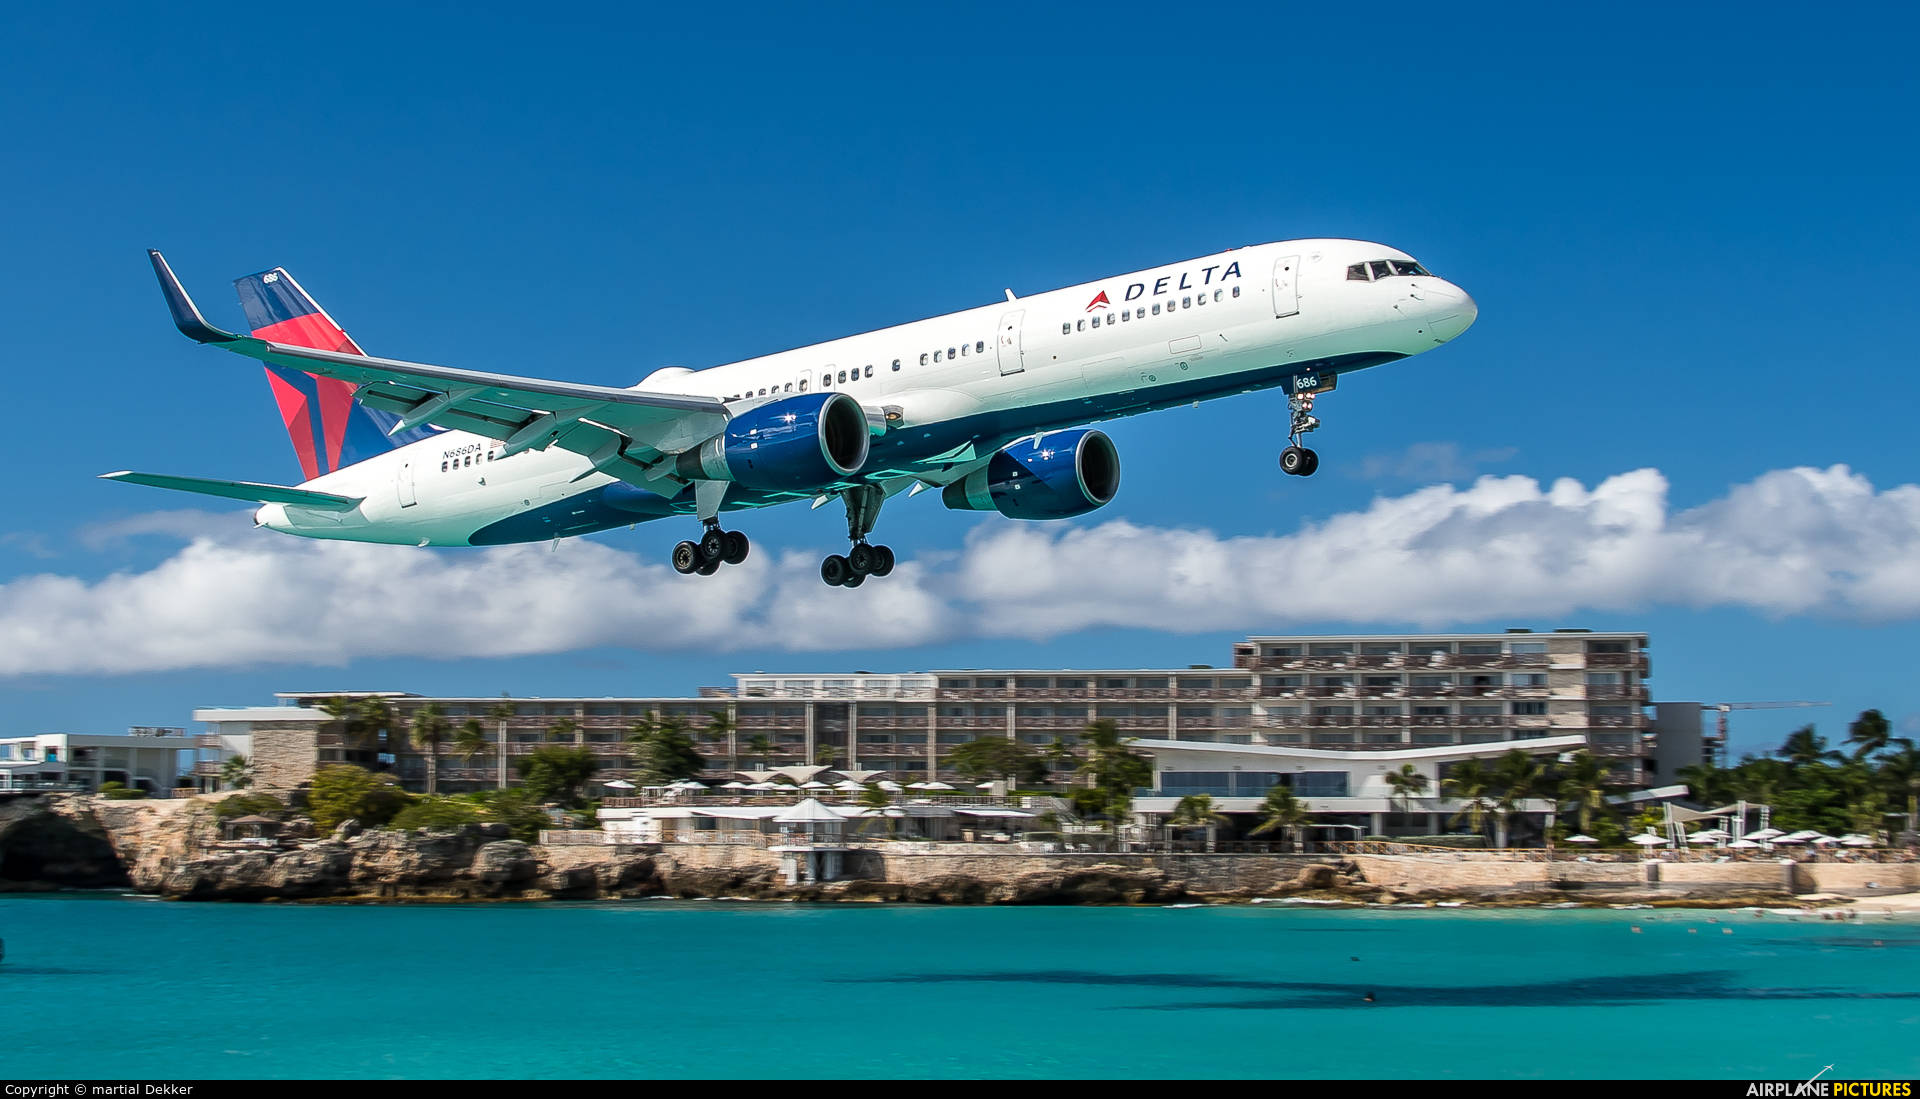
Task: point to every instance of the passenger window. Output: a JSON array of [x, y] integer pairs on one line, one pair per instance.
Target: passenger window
[[1080, 325], [1066, 328], [443, 467], [803, 385], [763, 393], [1096, 320], [1186, 303], [1380, 269], [1357, 273], [1236, 291], [869, 370], [826, 380], [896, 366], [1216, 295], [979, 347], [843, 377], [936, 356], [789, 388], [923, 358], [949, 352], [1156, 309]]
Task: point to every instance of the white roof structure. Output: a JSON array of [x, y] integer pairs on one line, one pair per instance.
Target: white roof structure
[[798, 774], [810, 811]]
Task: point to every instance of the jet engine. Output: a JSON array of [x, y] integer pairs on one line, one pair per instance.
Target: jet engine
[[1055, 476], [796, 444]]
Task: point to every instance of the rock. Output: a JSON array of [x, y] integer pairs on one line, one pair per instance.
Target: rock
[[504, 862], [347, 829], [56, 840]]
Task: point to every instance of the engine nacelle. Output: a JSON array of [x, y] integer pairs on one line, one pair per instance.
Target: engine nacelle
[[796, 444], [1057, 476]]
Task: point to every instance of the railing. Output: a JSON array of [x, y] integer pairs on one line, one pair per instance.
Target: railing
[[207, 740], [1393, 847]]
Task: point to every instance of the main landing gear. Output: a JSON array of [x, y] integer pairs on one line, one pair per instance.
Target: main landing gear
[[715, 548], [1296, 459], [863, 560]]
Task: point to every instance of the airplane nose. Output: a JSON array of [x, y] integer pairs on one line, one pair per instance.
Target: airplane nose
[[1457, 312]]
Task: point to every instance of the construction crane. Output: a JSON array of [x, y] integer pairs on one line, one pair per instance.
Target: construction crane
[[1718, 741]]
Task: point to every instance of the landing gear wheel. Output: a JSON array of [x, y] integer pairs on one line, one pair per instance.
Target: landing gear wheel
[[1312, 463], [861, 558], [736, 548], [1293, 460], [686, 558], [713, 544], [883, 561], [834, 571], [710, 566], [855, 581]]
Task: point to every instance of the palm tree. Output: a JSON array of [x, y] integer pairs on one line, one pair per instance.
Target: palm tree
[[1584, 781], [502, 711], [429, 729], [875, 802], [1282, 810], [564, 730], [762, 746], [1899, 776], [1871, 731], [1059, 755], [1516, 775], [1197, 811], [470, 739], [1805, 747], [826, 755], [1472, 784], [1407, 784], [236, 772], [353, 726], [721, 726]]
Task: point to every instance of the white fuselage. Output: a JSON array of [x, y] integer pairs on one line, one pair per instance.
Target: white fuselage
[[952, 389]]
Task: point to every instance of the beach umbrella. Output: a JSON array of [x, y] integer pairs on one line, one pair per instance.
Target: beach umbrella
[[763, 786], [1764, 834], [1743, 844], [1715, 834], [916, 786], [984, 786], [620, 784], [889, 786], [1647, 839], [848, 785], [815, 786], [1702, 837], [936, 786], [688, 784], [1855, 839], [736, 784], [1582, 839]]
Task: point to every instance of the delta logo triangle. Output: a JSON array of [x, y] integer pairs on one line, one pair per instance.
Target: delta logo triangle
[[1099, 302]]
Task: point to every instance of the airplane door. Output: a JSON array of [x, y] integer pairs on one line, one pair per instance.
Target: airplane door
[[403, 484], [1286, 286], [1011, 360]]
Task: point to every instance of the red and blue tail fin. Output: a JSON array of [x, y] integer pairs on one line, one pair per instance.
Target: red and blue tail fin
[[329, 429]]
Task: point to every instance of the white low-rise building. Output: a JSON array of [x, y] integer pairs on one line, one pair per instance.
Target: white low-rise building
[[145, 758]]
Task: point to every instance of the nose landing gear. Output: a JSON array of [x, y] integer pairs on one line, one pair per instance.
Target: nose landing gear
[[1297, 460], [863, 560], [716, 547]]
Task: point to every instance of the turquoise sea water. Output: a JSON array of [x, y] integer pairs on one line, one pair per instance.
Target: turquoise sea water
[[105, 986]]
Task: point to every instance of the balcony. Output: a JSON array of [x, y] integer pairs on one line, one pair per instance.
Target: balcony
[[206, 740]]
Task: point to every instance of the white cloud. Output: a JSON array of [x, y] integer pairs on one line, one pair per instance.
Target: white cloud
[[1429, 462], [1796, 541]]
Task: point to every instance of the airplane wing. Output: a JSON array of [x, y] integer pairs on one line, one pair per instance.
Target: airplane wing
[[241, 490], [625, 433]]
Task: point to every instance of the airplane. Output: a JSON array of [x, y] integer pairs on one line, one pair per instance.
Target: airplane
[[989, 405]]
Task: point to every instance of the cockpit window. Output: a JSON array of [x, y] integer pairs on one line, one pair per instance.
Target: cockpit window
[[1357, 273], [1380, 269], [1407, 267]]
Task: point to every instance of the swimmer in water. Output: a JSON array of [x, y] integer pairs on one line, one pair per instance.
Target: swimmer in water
[[1369, 997]]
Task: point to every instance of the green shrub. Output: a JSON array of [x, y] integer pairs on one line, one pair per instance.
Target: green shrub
[[342, 791], [440, 813], [117, 791], [248, 805]]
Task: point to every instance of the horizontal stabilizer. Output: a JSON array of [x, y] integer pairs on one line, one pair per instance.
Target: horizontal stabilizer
[[241, 490]]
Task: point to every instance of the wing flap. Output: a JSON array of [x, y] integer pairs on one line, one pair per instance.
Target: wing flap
[[241, 490]]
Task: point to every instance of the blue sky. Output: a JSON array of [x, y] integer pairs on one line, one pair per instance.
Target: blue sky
[[1689, 233]]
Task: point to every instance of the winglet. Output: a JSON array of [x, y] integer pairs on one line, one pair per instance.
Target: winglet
[[186, 315]]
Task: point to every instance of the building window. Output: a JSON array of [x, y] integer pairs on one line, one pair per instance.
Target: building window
[[1530, 709]]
